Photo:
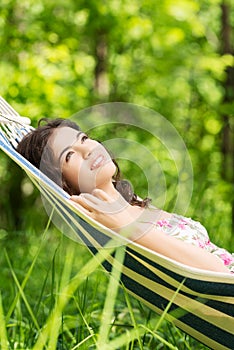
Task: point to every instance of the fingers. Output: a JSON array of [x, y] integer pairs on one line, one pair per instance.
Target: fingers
[[101, 195], [100, 202], [81, 202], [80, 207], [90, 199]]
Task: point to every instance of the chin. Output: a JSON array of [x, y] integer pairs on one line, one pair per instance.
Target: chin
[[106, 173]]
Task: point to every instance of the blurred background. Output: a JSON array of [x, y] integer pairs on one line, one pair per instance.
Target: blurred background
[[58, 57], [174, 57]]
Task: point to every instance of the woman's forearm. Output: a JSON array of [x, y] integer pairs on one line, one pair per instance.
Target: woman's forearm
[[177, 250], [137, 224]]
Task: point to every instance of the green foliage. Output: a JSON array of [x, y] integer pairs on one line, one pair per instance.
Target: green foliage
[[58, 57]]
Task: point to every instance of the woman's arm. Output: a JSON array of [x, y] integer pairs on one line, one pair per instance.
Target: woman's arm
[[178, 250], [137, 224]]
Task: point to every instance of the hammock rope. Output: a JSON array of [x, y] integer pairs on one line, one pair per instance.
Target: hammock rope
[[204, 305]]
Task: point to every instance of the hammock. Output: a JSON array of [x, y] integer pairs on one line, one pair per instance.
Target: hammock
[[201, 302]]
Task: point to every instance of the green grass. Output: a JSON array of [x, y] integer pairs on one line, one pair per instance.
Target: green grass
[[55, 295]]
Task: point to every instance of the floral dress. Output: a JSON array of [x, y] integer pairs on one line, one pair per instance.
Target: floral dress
[[194, 233]]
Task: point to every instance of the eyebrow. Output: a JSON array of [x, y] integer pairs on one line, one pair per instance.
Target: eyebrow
[[68, 147]]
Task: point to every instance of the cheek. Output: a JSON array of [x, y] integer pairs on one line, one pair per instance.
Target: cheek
[[86, 179], [110, 169], [105, 173], [71, 175]]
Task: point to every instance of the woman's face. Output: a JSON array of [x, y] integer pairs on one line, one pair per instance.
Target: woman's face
[[85, 164]]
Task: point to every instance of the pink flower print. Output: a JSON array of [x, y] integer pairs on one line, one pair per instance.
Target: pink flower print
[[184, 221], [201, 244], [163, 223], [227, 259], [210, 244], [182, 224]]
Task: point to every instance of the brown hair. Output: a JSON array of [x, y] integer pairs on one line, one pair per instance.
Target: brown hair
[[32, 147]]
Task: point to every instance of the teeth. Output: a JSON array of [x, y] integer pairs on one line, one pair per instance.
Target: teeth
[[97, 161]]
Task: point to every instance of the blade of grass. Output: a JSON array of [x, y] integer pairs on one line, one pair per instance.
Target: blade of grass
[[133, 319], [39, 301], [82, 342], [53, 281], [67, 267], [3, 332], [185, 342], [85, 321], [68, 292], [111, 294], [162, 340], [28, 274], [22, 292], [165, 312], [123, 339], [55, 326], [139, 330]]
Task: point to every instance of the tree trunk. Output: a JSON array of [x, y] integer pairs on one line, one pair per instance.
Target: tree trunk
[[101, 78], [227, 135]]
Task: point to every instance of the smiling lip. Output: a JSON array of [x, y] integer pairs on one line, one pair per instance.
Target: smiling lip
[[97, 162]]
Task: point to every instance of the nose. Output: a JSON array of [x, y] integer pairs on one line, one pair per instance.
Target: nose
[[83, 148]]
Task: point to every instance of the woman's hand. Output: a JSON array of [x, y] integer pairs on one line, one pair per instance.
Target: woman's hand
[[112, 213], [120, 216]]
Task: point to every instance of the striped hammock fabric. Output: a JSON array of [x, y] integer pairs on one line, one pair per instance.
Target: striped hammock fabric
[[201, 302]]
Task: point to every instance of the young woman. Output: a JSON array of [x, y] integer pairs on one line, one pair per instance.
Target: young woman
[[84, 168]]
